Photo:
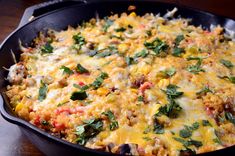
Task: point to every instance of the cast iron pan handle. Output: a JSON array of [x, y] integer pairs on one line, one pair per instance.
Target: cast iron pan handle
[[42, 8]]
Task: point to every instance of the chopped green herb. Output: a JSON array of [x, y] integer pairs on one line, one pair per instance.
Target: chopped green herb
[[195, 143], [204, 90], [229, 116], [79, 40], [130, 26], [61, 104], [47, 48], [178, 39], [171, 110], [77, 86], [85, 87], [120, 29], [177, 51], [109, 114], [195, 69], [221, 118], [80, 69], [147, 130], [114, 124], [88, 130], [226, 63], [147, 138], [97, 83], [157, 127], [78, 95], [129, 60], [184, 142], [142, 53], [104, 75], [216, 139], [107, 24], [185, 133], [118, 37], [140, 98], [159, 47], [99, 80], [45, 123], [92, 53], [170, 71], [104, 54], [171, 91], [113, 48], [206, 123], [149, 33], [189, 142], [194, 58], [195, 125], [66, 70], [42, 91], [173, 133], [230, 78]]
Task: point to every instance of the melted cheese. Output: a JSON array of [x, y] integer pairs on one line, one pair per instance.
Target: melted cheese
[[117, 93]]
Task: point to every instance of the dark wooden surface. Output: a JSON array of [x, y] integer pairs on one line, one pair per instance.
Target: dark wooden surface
[[13, 143]]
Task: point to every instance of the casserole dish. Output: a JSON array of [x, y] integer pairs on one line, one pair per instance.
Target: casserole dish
[[42, 23]]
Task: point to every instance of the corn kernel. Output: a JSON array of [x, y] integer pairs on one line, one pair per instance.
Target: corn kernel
[[19, 107], [166, 29], [122, 47], [104, 135], [144, 70], [111, 98], [133, 14], [190, 94], [134, 90], [163, 83], [190, 51], [102, 91]]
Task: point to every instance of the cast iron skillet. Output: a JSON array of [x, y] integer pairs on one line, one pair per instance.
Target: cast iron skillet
[[58, 16]]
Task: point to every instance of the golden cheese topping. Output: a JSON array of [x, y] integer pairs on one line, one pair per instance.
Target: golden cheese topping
[[128, 84]]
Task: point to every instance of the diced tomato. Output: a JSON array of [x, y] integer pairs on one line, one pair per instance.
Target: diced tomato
[[142, 26], [81, 83], [37, 120], [190, 41], [144, 86], [78, 109], [58, 126], [209, 111], [62, 110]]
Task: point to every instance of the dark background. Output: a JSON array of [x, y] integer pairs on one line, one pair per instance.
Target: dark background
[[13, 143]]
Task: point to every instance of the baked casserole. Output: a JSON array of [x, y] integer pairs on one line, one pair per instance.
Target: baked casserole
[[129, 84]]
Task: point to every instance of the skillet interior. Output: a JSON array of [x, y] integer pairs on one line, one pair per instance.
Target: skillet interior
[[73, 15]]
